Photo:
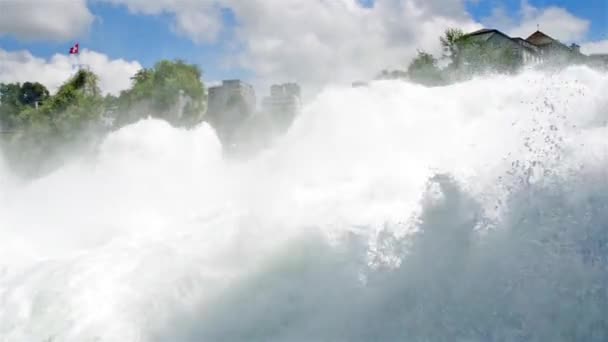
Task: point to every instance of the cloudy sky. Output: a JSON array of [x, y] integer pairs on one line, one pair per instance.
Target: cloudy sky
[[314, 42]]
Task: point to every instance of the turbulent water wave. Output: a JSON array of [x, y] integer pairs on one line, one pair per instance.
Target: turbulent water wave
[[474, 212]]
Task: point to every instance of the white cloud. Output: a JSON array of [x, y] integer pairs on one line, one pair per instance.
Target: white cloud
[[321, 41], [21, 66], [595, 47], [114, 74], [315, 42], [555, 21], [56, 20], [200, 20]]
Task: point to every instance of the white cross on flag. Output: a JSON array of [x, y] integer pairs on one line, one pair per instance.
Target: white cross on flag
[[74, 49]]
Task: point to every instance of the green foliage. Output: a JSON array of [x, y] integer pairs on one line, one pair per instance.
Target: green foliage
[[37, 127], [479, 58], [10, 93], [77, 104], [41, 130], [172, 90], [469, 56], [10, 106], [423, 69], [14, 98], [450, 41], [33, 94]]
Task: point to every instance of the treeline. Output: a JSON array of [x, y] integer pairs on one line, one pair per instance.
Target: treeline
[[463, 59], [39, 129]]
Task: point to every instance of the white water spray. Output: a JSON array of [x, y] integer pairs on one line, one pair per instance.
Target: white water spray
[[474, 212]]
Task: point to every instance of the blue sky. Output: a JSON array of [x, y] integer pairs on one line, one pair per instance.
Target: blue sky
[[148, 34], [596, 11], [145, 38]]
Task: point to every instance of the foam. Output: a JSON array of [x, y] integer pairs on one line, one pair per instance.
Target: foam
[[469, 212]]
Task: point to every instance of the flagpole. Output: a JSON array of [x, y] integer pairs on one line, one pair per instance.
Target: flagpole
[[75, 52], [78, 56]]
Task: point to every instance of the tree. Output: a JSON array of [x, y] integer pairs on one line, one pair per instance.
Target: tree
[[480, 58], [64, 120], [76, 105], [469, 56], [171, 90], [424, 70], [45, 127], [9, 94], [450, 42], [15, 97], [10, 106], [33, 94]]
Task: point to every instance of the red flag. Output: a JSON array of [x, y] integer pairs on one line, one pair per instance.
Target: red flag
[[74, 49]]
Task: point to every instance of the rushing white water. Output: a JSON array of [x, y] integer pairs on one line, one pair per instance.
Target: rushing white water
[[473, 212]]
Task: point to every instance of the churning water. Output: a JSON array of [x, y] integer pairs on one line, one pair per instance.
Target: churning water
[[473, 212]]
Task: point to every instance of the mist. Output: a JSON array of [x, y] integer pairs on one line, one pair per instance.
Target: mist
[[395, 212]]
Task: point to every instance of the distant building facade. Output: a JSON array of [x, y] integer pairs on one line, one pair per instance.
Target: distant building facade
[[552, 50], [283, 104], [229, 105], [599, 60], [525, 52], [389, 75], [536, 49]]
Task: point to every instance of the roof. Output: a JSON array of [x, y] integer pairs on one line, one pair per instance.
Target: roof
[[535, 41], [482, 31], [485, 31], [491, 32], [526, 44], [602, 56], [539, 39], [486, 34]]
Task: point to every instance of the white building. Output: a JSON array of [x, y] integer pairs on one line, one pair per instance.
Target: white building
[[527, 53], [530, 54], [229, 105], [553, 51], [536, 49], [598, 60], [283, 104]]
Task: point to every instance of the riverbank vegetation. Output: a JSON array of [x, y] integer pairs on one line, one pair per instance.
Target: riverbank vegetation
[[39, 129], [464, 57]]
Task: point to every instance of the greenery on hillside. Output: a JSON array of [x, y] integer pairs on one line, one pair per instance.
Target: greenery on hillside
[[464, 57], [472, 57], [172, 91], [450, 44], [40, 125], [15, 97], [38, 129], [424, 70]]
